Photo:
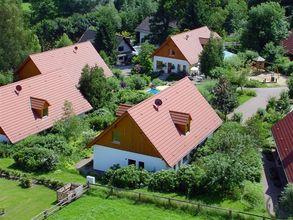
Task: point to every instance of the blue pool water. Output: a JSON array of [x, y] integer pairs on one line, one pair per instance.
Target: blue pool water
[[153, 91]]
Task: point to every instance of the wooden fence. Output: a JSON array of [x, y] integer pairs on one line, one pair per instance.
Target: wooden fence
[[46, 213], [183, 204]]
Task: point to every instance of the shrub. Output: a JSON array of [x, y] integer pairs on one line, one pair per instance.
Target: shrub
[[286, 200], [237, 116], [25, 182], [253, 84], [190, 179], [100, 119], [129, 177], [290, 86], [164, 181], [131, 96], [54, 142], [114, 83], [252, 195], [158, 82], [137, 82], [36, 159]]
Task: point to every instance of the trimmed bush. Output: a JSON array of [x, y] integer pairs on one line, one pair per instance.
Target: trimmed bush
[[137, 82], [100, 119], [131, 96], [164, 181], [36, 159], [25, 182], [237, 116], [129, 177]]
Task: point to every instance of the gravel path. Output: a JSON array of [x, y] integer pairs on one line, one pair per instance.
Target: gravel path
[[250, 107]]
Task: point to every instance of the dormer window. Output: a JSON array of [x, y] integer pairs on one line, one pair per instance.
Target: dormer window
[[181, 121], [40, 107]]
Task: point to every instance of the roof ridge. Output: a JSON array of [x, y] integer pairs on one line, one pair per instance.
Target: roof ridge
[[61, 48], [185, 32]]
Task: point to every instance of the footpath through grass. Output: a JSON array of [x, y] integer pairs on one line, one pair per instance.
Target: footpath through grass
[[22, 204], [66, 175], [95, 205]]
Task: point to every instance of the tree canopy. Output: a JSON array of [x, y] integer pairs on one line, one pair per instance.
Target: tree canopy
[[16, 40]]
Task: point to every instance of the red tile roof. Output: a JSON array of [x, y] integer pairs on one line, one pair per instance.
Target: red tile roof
[[157, 124], [71, 58], [288, 43], [189, 43], [122, 108], [283, 135], [17, 119]]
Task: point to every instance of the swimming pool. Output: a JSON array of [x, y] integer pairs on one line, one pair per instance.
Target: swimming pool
[[153, 91]]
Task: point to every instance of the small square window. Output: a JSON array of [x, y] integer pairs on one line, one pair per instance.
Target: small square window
[[131, 162], [121, 48], [141, 164], [171, 52], [116, 137]]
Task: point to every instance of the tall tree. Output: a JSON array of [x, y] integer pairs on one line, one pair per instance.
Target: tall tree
[[162, 22], [108, 23], [224, 98], [16, 40], [266, 23], [45, 9], [94, 87], [212, 56]]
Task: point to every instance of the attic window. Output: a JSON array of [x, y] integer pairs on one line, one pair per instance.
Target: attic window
[[182, 121], [40, 107], [171, 52]]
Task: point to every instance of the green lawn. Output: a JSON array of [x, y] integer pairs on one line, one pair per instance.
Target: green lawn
[[65, 175], [96, 206], [243, 98], [22, 203]]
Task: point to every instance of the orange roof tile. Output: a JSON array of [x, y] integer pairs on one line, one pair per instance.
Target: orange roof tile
[[17, 118], [122, 108], [283, 135], [190, 42]]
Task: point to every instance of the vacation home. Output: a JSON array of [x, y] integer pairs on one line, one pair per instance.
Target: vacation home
[[48, 79], [179, 53], [158, 133], [283, 135]]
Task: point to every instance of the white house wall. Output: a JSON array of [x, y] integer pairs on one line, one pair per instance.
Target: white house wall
[[167, 60], [105, 157], [126, 48], [143, 35]]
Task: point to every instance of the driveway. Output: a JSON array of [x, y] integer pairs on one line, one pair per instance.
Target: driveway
[[250, 107]]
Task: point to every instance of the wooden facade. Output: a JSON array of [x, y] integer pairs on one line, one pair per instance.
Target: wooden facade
[[27, 70], [165, 49], [127, 129], [2, 132]]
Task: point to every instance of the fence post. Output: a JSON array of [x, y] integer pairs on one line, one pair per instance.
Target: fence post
[[45, 214], [139, 194], [169, 200]]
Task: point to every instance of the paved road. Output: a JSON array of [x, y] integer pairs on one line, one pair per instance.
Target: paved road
[[250, 107]]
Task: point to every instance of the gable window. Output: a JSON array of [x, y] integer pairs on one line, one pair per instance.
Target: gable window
[[116, 137], [181, 121], [141, 164], [131, 162], [171, 52], [121, 48]]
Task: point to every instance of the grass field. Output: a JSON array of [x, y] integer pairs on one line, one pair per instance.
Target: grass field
[[22, 203], [66, 175], [243, 98], [97, 206]]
